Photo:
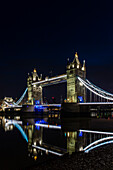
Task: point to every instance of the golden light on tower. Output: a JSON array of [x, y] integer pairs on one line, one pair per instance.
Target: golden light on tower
[[34, 70], [76, 55]]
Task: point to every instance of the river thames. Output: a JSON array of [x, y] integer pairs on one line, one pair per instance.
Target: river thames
[[29, 141]]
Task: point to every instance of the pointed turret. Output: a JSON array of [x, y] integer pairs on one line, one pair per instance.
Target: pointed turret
[[34, 70], [76, 55], [40, 76], [76, 60], [84, 66], [35, 75], [68, 63]]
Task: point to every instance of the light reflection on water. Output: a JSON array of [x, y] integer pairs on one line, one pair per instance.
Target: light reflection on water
[[46, 139]]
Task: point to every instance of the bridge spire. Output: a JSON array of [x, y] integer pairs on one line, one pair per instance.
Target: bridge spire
[[76, 55], [34, 70], [35, 75], [76, 60], [84, 66]]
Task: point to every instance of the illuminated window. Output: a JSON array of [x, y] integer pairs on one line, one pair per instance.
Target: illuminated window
[[34, 78], [77, 65]]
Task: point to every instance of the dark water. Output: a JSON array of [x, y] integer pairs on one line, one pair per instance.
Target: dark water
[[52, 137]]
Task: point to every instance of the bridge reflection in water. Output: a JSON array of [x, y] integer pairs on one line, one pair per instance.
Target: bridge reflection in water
[[52, 135]]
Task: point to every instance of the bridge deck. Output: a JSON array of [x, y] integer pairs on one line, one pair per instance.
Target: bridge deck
[[96, 103]]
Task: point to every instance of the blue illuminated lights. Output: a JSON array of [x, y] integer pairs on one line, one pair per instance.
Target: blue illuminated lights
[[18, 102], [80, 99], [18, 127], [101, 144], [41, 122], [22, 131], [48, 126], [88, 148], [22, 96], [97, 141], [39, 108], [47, 105], [80, 134], [37, 127], [37, 102]]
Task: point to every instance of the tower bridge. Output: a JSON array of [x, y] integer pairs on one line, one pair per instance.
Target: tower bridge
[[75, 91], [77, 87]]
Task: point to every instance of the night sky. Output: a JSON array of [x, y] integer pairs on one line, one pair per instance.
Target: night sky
[[43, 35]]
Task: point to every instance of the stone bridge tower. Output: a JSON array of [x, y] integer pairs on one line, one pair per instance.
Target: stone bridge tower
[[35, 90], [76, 92], [30, 89]]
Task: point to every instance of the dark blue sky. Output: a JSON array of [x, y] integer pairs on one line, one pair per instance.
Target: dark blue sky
[[44, 35]]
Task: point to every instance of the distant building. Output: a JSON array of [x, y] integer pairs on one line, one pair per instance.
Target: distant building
[[6, 102], [8, 99]]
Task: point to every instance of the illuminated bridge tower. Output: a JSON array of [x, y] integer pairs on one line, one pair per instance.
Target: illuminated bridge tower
[[35, 90], [30, 89], [76, 92]]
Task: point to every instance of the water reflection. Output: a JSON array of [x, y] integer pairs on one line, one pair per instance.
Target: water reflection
[[52, 135]]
